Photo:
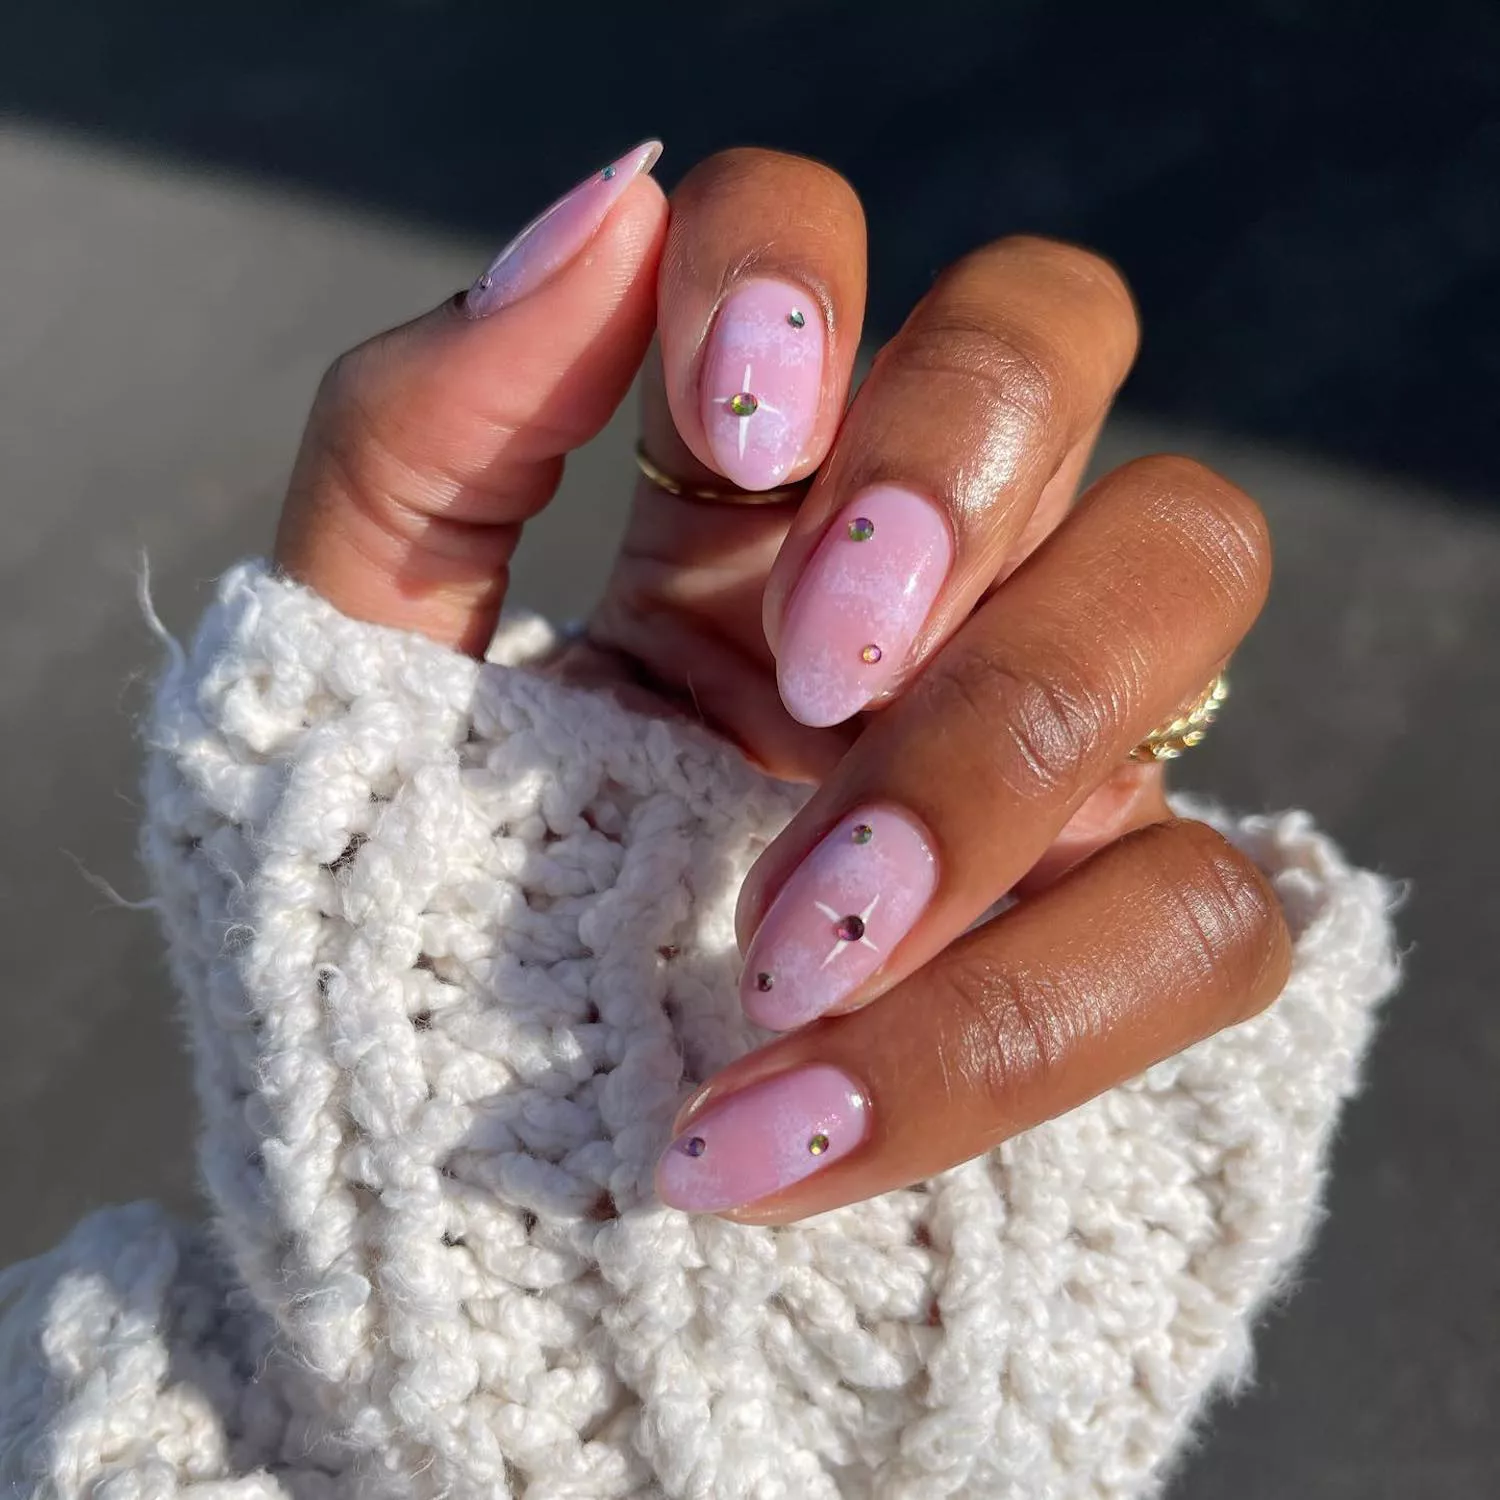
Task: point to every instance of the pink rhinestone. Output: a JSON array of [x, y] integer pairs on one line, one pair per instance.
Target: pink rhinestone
[[850, 929]]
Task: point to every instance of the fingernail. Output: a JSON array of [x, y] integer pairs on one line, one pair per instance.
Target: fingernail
[[838, 917], [860, 603], [555, 236], [762, 378], [762, 1139]]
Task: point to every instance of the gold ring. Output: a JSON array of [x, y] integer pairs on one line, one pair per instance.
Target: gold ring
[[706, 494], [1169, 740], [1165, 742]]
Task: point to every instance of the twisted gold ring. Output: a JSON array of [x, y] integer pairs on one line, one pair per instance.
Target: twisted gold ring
[[1169, 740]]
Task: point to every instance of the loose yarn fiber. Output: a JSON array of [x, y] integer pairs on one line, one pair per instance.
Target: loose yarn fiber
[[454, 941]]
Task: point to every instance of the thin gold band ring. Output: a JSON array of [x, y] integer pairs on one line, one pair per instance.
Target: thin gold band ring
[[705, 494]]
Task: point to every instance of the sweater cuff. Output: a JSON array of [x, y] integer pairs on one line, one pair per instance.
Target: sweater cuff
[[455, 940]]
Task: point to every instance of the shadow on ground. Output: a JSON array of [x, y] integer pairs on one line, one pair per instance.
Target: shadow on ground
[[1302, 196]]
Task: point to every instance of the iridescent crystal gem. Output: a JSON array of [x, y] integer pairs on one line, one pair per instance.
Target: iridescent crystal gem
[[818, 1144], [849, 929], [743, 404], [607, 173], [870, 655], [862, 834], [765, 982], [861, 529], [486, 282], [795, 318], [695, 1145]]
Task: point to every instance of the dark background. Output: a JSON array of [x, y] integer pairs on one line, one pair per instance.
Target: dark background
[[201, 205], [1306, 197]]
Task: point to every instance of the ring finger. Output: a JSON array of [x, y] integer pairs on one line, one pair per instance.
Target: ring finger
[[953, 793]]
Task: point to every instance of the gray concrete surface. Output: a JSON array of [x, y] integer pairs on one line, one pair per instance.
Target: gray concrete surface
[[163, 331]]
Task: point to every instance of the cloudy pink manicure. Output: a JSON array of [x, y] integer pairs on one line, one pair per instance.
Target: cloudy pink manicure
[[860, 603], [552, 239], [838, 917], [763, 1138], [762, 381]]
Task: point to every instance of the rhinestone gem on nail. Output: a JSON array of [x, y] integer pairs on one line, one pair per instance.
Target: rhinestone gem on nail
[[850, 929], [817, 1145], [862, 833], [861, 529], [743, 404], [870, 655], [695, 1145], [765, 982]]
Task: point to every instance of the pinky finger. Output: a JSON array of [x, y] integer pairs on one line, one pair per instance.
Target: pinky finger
[[1154, 943]]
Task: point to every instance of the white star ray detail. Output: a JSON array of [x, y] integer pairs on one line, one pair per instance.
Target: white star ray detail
[[759, 406], [840, 943]]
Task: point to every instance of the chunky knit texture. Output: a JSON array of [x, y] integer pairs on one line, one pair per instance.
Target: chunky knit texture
[[455, 941]]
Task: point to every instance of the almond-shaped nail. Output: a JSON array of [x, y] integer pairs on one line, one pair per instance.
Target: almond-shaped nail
[[860, 603], [762, 1139], [556, 235], [762, 381], [838, 917]]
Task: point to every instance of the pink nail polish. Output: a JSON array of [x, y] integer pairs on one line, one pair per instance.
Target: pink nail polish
[[762, 380], [552, 239], [860, 603], [763, 1138], [838, 917]]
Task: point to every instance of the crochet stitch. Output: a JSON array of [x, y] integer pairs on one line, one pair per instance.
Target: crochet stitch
[[454, 942]]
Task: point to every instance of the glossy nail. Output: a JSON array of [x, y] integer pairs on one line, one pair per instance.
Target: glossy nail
[[762, 1139], [860, 603], [762, 380], [838, 917], [553, 238]]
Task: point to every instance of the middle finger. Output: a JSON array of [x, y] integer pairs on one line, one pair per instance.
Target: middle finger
[[972, 428]]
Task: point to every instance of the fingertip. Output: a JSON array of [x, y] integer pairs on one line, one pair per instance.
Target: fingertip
[[558, 235], [761, 300]]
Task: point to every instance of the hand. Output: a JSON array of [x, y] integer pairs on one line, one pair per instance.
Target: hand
[[960, 655]]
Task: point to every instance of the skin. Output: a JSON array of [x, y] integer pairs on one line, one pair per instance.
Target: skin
[[1064, 632]]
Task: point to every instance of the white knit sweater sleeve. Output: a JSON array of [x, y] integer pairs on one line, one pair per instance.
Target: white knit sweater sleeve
[[453, 941]]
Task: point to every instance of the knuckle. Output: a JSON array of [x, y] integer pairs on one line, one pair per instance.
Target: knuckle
[[346, 381], [1038, 726], [343, 415], [351, 438], [1218, 905], [1017, 385], [1223, 531], [714, 176], [1077, 264], [1000, 1034], [735, 185]]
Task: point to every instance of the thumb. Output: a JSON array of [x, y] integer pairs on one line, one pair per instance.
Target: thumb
[[428, 446]]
